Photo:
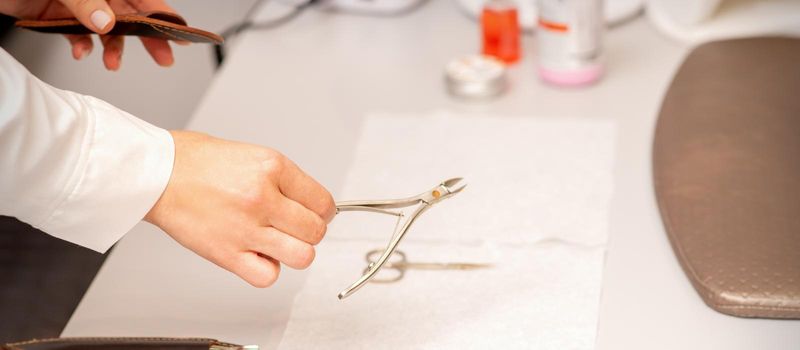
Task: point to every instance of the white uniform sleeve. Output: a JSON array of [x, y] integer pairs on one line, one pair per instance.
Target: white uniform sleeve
[[74, 166]]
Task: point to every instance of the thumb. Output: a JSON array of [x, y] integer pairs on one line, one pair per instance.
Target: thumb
[[94, 14]]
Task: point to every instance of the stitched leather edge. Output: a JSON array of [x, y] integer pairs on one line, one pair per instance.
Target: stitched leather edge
[[112, 340]]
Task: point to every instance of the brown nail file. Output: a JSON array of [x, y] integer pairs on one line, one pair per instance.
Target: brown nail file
[[157, 24]]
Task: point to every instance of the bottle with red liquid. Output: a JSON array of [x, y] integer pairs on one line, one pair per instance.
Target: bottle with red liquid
[[501, 30]]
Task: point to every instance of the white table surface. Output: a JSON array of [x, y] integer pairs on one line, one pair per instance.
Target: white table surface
[[305, 88]]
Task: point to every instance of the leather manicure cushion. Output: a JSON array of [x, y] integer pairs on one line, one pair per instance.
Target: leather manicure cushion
[[162, 25], [726, 166]]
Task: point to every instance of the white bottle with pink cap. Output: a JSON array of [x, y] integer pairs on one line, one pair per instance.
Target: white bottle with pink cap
[[569, 35]]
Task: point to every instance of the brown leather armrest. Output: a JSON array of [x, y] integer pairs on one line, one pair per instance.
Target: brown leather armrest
[[726, 167]]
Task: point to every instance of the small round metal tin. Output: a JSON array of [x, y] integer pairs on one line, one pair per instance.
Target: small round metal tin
[[475, 76]]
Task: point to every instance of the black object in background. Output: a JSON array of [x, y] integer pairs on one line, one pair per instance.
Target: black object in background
[[42, 280], [6, 23]]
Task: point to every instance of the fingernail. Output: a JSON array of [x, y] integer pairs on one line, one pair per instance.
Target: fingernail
[[100, 19]]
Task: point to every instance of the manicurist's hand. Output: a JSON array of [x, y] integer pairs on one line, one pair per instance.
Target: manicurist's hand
[[98, 16], [244, 207]]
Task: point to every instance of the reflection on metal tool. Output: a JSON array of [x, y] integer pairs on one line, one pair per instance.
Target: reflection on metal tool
[[423, 201], [401, 264]]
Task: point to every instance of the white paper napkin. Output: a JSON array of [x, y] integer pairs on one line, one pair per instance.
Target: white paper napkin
[[542, 297], [536, 207], [527, 178]]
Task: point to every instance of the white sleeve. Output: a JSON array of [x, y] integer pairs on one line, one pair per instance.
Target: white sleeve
[[75, 166]]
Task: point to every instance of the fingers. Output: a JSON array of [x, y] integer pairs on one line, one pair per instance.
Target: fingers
[[301, 188], [266, 248], [258, 270], [297, 220], [94, 14], [112, 51], [98, 16], [291, 251], [81, 45], [160, 50]]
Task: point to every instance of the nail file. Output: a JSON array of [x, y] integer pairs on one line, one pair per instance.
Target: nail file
[[157, 24]]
